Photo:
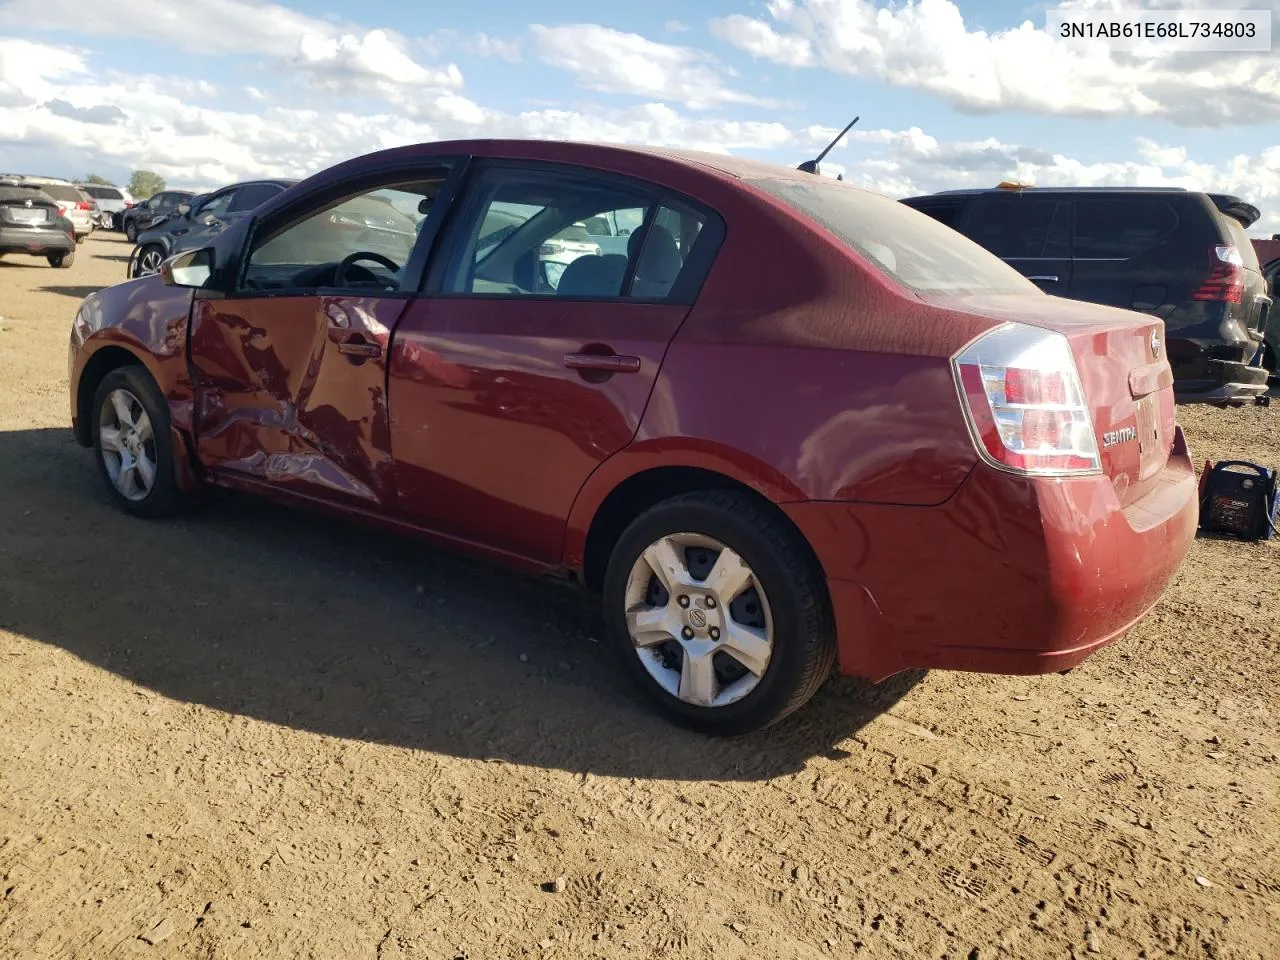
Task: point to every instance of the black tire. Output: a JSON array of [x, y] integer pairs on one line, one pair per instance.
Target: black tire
[[164, 498], [80, 238], [145, 252], [131, 232], [804, 646], [60, 261]]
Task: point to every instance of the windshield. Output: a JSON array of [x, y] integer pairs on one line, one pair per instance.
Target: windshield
[[906, 245]]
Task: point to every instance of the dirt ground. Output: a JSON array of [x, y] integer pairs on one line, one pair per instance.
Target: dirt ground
[[255, 733]]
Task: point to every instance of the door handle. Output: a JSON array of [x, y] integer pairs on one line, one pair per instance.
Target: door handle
[[1052, 278], [606, 362], [359, 348]]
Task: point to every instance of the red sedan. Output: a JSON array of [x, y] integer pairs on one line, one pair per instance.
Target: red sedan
[[776, 421]]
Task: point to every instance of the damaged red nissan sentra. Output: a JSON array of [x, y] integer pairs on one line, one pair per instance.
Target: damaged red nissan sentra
[[776, 421]]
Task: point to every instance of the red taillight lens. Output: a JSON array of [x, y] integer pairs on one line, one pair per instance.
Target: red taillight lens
[[62, 211], [1024, 402], [82, 205], [1225, 283]]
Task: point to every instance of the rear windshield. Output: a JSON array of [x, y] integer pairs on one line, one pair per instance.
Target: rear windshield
[[62, 191], [905, 244], [103, 193]]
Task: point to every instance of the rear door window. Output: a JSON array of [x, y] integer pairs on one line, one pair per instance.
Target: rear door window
[[253, 195], [908, 246], [1020, 227], [946, 212], [1121, 228]]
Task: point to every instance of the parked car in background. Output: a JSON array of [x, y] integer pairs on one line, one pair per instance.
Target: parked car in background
[[1269, 257], [146, 212], [73, 203], [795, 423], [112, 200], [193, 224], [1176, 254], [31, 222]]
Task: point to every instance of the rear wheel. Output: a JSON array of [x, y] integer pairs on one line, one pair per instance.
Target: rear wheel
[[719, 612], [61, 260], [131, 438]]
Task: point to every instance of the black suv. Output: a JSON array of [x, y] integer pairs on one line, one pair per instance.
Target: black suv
[[193, 223], [142, 215], [1179, 255]]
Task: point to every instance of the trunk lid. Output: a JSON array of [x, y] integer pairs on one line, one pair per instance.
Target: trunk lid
[[1124, 370]]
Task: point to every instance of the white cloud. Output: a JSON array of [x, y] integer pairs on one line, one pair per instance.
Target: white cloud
[[926, 45], [483, 45], [253, 93], [611, 61], [335, 58], [676, 26], [760, 40]]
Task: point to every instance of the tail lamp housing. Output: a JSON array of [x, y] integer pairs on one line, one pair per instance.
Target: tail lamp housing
[[1225, 282], [1024, 403]]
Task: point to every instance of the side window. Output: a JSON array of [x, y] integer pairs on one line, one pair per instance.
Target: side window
[[534, 232], [215, 206], [162, 203], [946, 213], [1019, 227], [1121, 228], [363, 240], [252, 196]]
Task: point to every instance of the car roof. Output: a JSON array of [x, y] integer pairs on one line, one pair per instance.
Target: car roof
[[1226, 203], [607, 156]]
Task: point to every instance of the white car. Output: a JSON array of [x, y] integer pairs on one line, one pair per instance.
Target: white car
[[73, 203], [112, 200]]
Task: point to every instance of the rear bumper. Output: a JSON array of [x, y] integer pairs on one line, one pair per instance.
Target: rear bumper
[[1225, 380], [1011, 575], [36, 242]]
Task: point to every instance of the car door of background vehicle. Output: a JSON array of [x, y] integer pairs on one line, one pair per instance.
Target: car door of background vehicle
[[204, 221], [1127, 254], [1032, 234], [506, 394], [291, 369]]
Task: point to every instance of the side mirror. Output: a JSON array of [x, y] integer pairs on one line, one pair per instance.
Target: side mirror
[[192, 268], [184, 209]]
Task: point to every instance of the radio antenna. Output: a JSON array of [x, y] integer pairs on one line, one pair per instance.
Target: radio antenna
[[811, 166]]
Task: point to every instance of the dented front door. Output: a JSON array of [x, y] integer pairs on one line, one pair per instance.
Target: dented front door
[[291, 391]]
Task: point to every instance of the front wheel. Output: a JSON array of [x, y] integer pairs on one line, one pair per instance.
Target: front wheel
[[131, 231], [149, 260], [719, 612], [131, 438]]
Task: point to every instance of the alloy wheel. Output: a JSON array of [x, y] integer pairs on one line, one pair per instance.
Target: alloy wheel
[[127, 444], [699, 620], [149, 261]]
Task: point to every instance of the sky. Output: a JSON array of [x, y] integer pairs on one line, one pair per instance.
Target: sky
[[951, 93]]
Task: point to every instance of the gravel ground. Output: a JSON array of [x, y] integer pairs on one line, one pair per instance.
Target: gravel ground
[[255, 733]]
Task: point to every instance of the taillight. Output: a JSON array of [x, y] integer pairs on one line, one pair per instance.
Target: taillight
[[1225, 283], [1024, 403], [82, 205], [62, 211]]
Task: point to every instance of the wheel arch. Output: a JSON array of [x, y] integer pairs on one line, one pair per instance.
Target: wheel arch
[[591, 542], [100, 363]]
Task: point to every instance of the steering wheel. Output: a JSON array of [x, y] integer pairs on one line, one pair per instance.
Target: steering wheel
[[340, 275]]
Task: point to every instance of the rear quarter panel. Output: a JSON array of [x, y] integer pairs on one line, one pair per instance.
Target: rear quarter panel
[[805, 375]]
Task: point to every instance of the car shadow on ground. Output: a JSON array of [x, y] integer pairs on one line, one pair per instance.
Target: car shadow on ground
[[299, 620], [77, 293]]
